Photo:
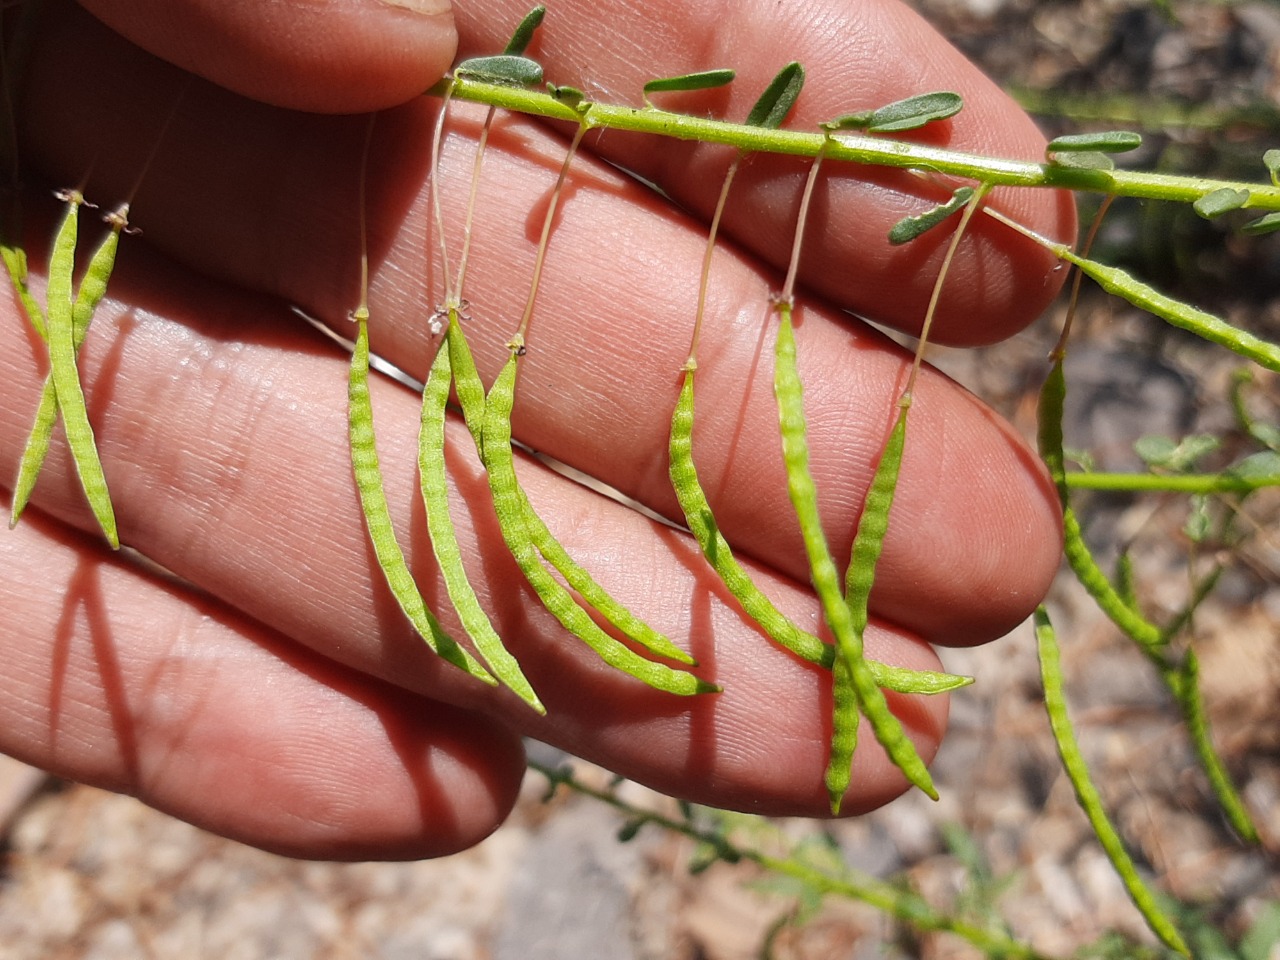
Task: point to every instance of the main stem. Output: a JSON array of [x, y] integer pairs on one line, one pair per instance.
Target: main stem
[[876, 151]]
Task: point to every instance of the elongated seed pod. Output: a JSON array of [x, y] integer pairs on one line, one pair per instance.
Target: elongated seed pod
[[499, 463], [471, 397], [15, 264], [377, 516], [1073, 763], [466, 380], [755, 603], [868, 698], [93, 287], [444, 539], [66, 378]]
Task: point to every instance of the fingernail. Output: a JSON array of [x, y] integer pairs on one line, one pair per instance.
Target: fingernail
[[428, 8]]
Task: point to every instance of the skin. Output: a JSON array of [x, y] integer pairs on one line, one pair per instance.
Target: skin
[[274, 661]]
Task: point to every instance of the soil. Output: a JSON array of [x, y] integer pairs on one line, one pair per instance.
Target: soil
[[89, 874]]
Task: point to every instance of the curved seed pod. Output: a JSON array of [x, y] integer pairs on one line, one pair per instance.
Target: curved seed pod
[[851, 672], [65, 376], [510, 508], [1073, 762], [377, 516], [471, 397], [444, 539], [15, 263], [780, 628], [93, 287], [466, 380], [595, 595], [1201, 323]]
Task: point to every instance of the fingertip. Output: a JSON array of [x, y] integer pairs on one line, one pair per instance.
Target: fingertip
[[342, 56]]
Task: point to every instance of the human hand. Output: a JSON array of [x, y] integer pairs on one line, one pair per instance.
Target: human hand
[[274, 693]]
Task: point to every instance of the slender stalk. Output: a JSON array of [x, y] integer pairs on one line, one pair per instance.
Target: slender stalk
[[544, 240], [1189, 483]]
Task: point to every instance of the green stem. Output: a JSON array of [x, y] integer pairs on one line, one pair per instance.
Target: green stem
[[877, 151], [1190, 483]]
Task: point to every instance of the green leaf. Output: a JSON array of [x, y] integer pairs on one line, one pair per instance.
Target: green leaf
[[908, 228], [778, 98], [1086, 160], [520, 40], [1181, 456], [1263, 464], [503, 69], [908, 114], [1199, 523], [1107, 141], [1268, 224], [570, 96], [1155, 451], [915, 112], [702, 80], [1220, 201], [1272, 161]]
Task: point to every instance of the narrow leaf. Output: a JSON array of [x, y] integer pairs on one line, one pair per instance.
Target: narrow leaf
[[1268, 224], [520, 40], [1107, 141], [915, 112], [778, 98], [908, 114], [908, 228], [702, 80]]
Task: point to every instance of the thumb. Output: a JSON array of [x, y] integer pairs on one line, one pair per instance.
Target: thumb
[[328, 56]]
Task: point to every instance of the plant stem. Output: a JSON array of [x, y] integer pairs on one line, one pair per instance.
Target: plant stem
[[1190, 483], [876, 151]]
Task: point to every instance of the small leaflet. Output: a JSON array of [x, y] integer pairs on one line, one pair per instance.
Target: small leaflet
[[1083, 160], [569, 96], [908, 228], [1179, 456], [701, 80], [1220, 201], [1268, 224], [909, 114], [504, 69], [1107, 141], [1272, 161], [778, 98], [521, 39]]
